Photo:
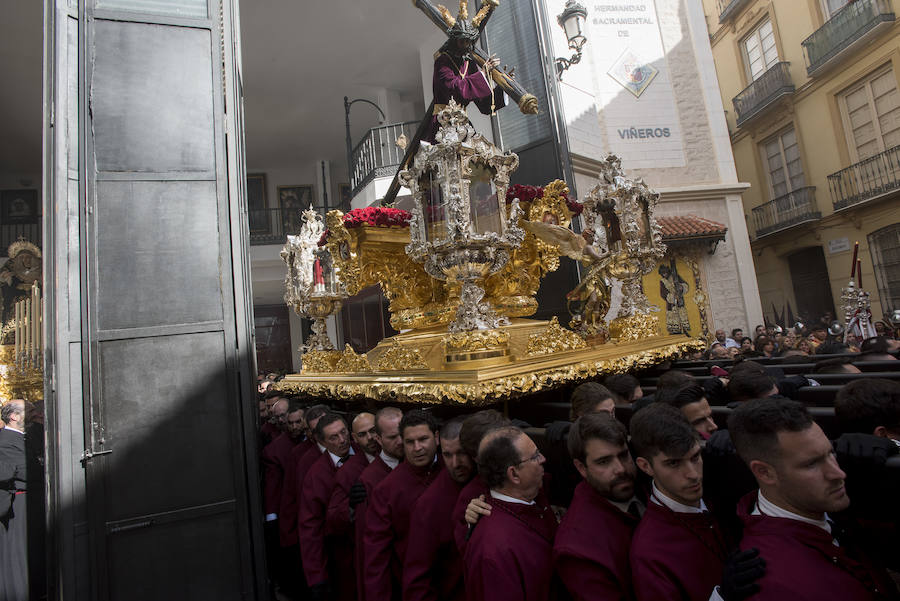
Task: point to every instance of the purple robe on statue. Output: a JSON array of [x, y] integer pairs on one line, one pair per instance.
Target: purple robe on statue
[[464, 83]]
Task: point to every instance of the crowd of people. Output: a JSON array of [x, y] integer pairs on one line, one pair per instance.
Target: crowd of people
[[636, 496]]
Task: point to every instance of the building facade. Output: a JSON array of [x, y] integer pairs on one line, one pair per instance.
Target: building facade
[[810, 93]]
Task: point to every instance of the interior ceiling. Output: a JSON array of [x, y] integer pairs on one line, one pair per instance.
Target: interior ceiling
[[301, 58], [299, 61], [20, 102]]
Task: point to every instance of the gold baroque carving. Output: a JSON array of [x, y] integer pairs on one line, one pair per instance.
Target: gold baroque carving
[[400, 358], [320, 362], [351, 362], [475, 340], [493, 390], [634, 327], [554, 339]]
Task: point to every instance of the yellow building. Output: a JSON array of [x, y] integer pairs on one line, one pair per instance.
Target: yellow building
[[810, 91]]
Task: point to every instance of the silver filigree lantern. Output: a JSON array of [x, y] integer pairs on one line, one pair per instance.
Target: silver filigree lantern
[[311, 286], [460, 230], [620, 212]]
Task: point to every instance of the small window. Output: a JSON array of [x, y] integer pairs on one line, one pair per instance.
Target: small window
[[884, 246], [781, 155], [759, 50], [871, 113]]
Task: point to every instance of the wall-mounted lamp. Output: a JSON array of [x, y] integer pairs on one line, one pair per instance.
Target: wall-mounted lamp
[[572, 21]]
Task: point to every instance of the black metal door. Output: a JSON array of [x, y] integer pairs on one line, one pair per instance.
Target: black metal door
[[151, 337]]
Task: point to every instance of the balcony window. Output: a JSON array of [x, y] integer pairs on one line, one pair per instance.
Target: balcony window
[[781, 154], [789, 210], [848, 28], [873, 178], [871, 114], [832, 6], [759, 50], [884, 246]]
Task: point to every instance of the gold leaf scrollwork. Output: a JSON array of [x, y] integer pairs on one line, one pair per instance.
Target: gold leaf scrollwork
[[400, 358], [554, 339], [466, 342], [634, 327], [320, 362], [493, 390], [351, 362]]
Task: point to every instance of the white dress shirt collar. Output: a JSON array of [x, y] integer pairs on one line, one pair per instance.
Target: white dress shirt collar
[[369, 458], [660, 499], [767, 507], [8, 427], [501, 497], [337, 460], [390, 461]]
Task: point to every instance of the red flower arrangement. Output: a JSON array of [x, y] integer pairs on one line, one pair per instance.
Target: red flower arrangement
[[377, 216], [373, 216], [529, 193]]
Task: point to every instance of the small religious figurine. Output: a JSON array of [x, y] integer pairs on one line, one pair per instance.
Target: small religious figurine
[[18, 274], [318, 278], [458, 76], [672, 288]]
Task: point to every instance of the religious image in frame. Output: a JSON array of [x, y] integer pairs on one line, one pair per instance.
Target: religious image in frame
[[256, 204], [19, 206], [293, 200], [345, 193]]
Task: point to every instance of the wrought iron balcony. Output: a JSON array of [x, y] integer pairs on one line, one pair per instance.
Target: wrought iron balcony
[[377, 154], [786, 211], [763, 93], [873, 177], [729, 8], [271, 226], [850, 26]]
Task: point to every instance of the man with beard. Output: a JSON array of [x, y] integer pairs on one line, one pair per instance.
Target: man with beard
[[432, 568], [509, 555], [327, 560], [787, 519], [390, 506], [592, 544], [679, 549]]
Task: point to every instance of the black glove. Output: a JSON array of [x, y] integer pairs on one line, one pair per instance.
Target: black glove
[[742, 570], [357, 494], [557, 432], [719, 444], [867, 447], [322, 591]]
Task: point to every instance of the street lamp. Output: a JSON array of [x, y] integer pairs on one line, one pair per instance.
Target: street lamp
[[572, 21], [347, 104]]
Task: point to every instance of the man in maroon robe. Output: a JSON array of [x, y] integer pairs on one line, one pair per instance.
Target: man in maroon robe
[[327, 558], [275, 460], [387, 426], [391, 502], [807, 555], [509, 555], [678, 550], [432, 567], [293, 470], [591, 548], [457, 76], [473, 429]]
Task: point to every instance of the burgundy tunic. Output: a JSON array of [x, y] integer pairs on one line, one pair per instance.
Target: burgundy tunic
[[463, 83], [676, 555], [370, 477], [274, 458], [590, 552], [470, 491], [509, 554], [287, 514], [268, 432], [432, 567], [802, 562], [339, 521], [325, 555], [387, 527]]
